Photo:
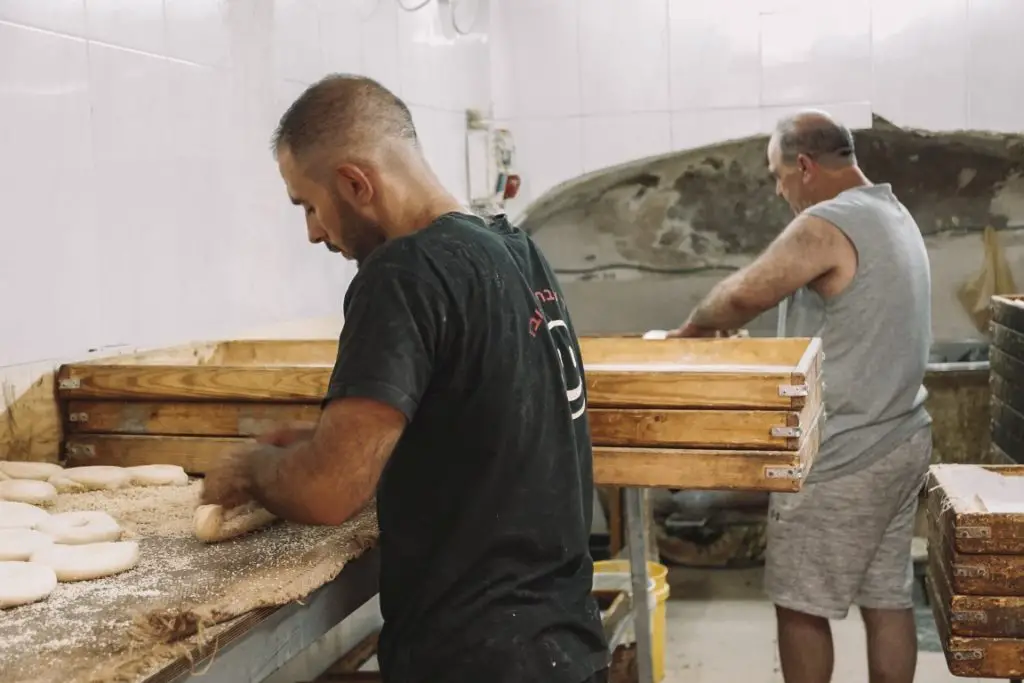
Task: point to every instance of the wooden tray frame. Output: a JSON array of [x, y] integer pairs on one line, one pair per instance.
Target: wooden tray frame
[[191, 404]]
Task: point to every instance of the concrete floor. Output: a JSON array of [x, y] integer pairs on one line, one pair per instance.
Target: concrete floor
[[721, 629]]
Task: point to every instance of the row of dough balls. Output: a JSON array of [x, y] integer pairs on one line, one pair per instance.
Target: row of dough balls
[[39, 549], [38, 483]]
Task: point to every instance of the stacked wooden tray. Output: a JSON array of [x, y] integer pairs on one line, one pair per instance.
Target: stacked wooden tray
[[976, 576], [695, 414], [1006, 378]]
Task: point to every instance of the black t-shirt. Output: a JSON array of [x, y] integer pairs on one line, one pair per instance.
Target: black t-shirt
[[485, 504]]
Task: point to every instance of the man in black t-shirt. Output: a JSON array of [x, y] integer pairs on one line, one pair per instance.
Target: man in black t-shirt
[[458, 398]]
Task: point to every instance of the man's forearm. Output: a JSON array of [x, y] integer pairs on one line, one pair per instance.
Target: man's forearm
[[722, 309], [288, 483]]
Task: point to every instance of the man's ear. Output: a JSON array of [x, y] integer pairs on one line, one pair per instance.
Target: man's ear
[[803, 162], [353, 184]]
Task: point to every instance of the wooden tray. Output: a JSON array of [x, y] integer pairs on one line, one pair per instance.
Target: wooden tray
[[753, 373], [981, 616], [965, 655], [621, 373], [675, 412], [760, 470], [723, 429], [973, 532], [1008, 310]]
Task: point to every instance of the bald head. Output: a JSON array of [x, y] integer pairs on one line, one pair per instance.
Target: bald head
[[344, 114], [818, 136]]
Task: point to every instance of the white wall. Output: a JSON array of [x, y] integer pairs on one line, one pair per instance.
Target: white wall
[[585, 84], [139, 202]]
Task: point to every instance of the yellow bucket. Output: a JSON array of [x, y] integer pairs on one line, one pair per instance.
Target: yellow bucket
[[657, 594]]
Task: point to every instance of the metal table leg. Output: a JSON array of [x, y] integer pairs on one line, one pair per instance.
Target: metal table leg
[[635, 523]]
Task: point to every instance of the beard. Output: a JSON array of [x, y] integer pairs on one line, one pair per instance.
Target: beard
[[359, 235]]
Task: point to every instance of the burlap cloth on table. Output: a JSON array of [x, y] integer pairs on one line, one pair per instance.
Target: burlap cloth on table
[[181, 594]]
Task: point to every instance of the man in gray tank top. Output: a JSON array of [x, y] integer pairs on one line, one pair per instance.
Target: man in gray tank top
[[856, 269]]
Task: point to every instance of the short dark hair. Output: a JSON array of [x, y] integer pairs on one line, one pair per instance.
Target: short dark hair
[[816, 135], [343, 111]]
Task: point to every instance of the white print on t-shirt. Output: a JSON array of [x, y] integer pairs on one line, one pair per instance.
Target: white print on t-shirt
[[572, 377]]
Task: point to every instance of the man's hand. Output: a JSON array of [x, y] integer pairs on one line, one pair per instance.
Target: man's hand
[[690, 330], [230, 482]]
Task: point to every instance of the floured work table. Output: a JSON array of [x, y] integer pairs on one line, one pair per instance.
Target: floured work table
[[234, 611], [741, 414], [976, 567]]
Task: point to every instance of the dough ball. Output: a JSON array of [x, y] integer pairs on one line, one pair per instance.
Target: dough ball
[[212, 524], [28, 491], [91, 478], [17, 545], [20, 515], [22, 583], [78, 528], [90, 561], [158, 475], [40, 471]]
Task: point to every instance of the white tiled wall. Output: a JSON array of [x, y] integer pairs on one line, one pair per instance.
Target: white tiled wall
[[585, 84], [139, 201]]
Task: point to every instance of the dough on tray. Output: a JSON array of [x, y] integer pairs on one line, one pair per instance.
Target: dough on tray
[[158, 475], [78, 528], [90, 561], [91, 478], [211, 524], [41, 471], [17, 545], [20, 515], [22, 583], [28, 491]]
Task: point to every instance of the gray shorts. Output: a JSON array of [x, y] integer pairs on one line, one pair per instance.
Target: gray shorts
[[847, 540]]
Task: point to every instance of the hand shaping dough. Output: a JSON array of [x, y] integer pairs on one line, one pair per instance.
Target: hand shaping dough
[[41, 471], [79, 528], [24, 582], [158, 475], [87, 562], [91, 478], [212, 524], [28, 491], [20, 515], [17, 545]]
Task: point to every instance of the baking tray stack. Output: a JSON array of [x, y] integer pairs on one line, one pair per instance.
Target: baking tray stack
[[976, 575], [684, 413], [1006, 377]]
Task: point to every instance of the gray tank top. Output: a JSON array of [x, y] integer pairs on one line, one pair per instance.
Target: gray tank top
[[876, 334]]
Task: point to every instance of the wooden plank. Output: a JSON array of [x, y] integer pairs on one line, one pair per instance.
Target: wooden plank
[[186, 418], [292, 352], [781, 354], [354, 659], [1006, 366], [975, 531], [694, 469], [723, 429], [191, 383], [681, 387], [979, 616], [1007, 429], [1008, 340], [968, 656], [1008, 311], [648, 428], [196, 454]]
